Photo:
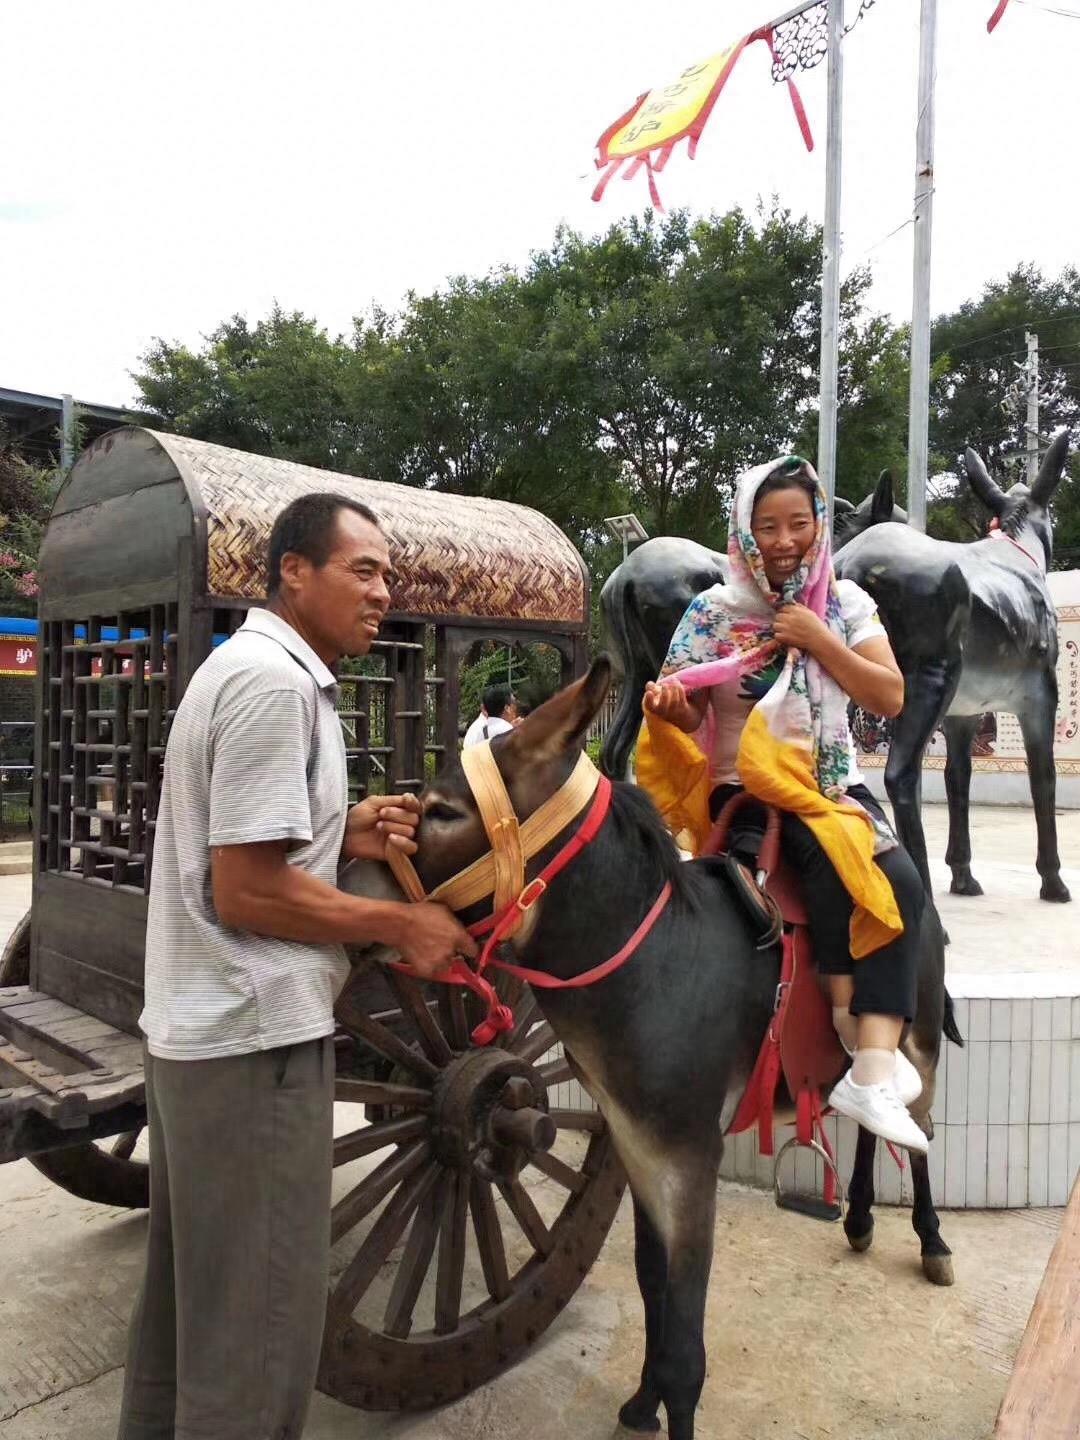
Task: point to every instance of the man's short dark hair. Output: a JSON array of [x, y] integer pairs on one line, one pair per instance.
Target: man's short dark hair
[[495, 699], [306, 527]]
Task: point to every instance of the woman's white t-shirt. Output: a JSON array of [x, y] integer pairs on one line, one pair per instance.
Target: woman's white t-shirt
[[731, 708]]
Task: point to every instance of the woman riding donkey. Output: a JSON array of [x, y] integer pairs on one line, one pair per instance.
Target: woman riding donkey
[[760, 673]]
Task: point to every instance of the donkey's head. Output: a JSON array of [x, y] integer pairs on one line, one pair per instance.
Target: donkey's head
[[880, 506], [534, 760], [1021, 509]]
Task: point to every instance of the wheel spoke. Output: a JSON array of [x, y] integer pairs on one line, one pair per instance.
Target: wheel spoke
[[451, 1270], [414, 1264], [383, 1236], [359, 1022], [411, 998], [380, 1092], [370, 1138], [509, 988], [452, 1011], [526, 1015], [124, 1145], [554, 1168], [527, 1215], [489, 1239], [538, 1043], [363, 1198], [555, 1072], [590, 1120]]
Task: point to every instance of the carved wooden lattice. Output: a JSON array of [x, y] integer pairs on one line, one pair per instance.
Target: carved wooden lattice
[[108, 693]]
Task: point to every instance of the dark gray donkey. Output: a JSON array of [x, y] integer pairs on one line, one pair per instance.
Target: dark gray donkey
[[974, 630]]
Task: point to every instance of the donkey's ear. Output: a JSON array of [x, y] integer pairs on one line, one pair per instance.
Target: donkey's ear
[[1051, 470], [562, 721], [842, 506], [979, 479], [883, 502]]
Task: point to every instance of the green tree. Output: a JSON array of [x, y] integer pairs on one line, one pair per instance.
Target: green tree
[[26, 495], [690, 345], [977, 349], [281, 387]]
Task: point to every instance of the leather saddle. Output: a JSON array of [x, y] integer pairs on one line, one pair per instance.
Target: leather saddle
[[759, 877]]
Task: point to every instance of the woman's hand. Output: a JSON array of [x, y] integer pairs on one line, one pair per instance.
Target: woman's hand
[[378, 819], [671, 702], [798, 628]]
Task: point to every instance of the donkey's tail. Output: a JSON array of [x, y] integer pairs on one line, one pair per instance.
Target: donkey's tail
[[950, 1029]]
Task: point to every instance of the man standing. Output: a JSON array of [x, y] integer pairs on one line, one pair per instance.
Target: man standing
[[243, 962], [498, 713]]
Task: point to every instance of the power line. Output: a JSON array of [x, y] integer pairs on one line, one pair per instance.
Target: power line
[[1051, 9], [1017, 325]]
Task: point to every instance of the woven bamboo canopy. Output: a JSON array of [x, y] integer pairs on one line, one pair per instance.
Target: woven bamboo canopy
[[135, 493]]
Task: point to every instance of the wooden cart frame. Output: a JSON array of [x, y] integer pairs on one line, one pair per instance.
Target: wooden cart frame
[[153, 554]]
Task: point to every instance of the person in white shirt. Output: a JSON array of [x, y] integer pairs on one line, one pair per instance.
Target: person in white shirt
[[498, 713], [244, 959]]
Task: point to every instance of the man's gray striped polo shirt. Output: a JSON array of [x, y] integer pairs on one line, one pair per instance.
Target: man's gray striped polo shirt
[[255, 753]]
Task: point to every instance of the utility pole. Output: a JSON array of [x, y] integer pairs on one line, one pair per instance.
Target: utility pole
[[919, 394], [830, 267], [1032, 376], [67, 433]]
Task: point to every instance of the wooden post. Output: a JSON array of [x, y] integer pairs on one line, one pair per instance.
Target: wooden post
[[1042, 1401]]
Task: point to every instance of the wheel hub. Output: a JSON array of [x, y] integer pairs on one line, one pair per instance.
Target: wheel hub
[[489, 1110]]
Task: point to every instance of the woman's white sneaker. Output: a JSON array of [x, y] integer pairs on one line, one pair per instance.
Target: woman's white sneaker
[[879, 1109], [906, 1079]]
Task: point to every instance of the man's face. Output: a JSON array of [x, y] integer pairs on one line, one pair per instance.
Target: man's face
[[342, 603]]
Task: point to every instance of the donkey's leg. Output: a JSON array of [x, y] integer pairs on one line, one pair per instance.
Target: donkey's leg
[[960, 731], [859, 1220], [928, 688], [936, 1255], [1037, 725], [650, 1260], [675, 1186], [680, 1366]]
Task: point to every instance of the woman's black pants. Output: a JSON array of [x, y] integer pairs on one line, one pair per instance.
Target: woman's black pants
[[886, 980]]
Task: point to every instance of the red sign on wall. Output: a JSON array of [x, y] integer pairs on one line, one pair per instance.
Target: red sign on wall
[[18, 655]]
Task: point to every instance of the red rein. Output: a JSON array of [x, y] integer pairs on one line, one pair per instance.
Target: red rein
[[500, 1017]]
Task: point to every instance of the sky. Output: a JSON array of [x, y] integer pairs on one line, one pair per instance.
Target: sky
[[167, 165]]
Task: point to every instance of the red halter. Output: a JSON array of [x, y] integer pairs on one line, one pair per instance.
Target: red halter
[[996, 533], [500, 1017]]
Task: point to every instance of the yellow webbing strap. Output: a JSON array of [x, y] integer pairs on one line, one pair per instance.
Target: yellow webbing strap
[[479, 880], [500, 822]]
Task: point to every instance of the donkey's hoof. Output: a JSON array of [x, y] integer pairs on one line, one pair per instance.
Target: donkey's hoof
[[639, 1415], [965, 884], [1054, 888], [938, 1269], [861, 1243]]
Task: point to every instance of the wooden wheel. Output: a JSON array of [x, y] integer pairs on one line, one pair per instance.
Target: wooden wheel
[[498, 1196], [105, 1172]]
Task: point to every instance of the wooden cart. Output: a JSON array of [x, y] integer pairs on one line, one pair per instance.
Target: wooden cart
[[472, 1195]]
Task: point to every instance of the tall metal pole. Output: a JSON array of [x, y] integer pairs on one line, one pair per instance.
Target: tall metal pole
[[830, 268], [67, 433], [1032, 342], [919, 395]]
